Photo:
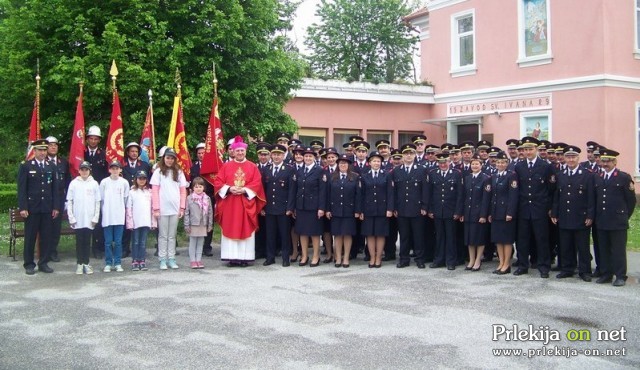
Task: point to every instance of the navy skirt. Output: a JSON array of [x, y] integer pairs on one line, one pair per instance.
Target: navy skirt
[[343, 226], [326, 224], [307, 223], [503, 232], [475, 233], [375, 226]]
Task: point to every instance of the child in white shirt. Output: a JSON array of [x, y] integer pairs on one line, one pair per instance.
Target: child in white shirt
[[140, 219], [114, 191]]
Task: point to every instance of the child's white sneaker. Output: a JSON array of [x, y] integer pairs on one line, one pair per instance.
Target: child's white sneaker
[[119, 268], [88, 269], [107, 268], [79, 270]]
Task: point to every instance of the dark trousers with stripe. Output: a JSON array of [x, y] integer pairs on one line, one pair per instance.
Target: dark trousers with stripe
[[574, 243], [411, 237], [42, 224], [613, 252]]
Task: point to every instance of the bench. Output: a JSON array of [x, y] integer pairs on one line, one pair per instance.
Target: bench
[[16, 226]]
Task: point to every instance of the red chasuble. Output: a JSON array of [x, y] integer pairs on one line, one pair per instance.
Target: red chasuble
[[236, 214]]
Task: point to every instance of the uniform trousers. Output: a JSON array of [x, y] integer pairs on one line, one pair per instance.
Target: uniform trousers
[[613, 252], [446, 250], [34, 224], [261, 238], [429, 239], [391, 239], [572, 242], [411, 237], [56, 226], [537, 229], [280, 226]]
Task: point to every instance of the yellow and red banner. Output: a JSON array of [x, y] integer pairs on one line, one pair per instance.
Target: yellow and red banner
[[177, 138]]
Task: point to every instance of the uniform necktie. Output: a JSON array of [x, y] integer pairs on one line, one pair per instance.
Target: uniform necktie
[[530, 164], [41, 165], [306, 170], [275, 170], [375, 174], [606, 177], [407, 169], [342, 176]]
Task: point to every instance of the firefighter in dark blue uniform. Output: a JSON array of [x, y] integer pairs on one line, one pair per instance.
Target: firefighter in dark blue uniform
[[392, 238], [64, 177], [331, 156], [573, 211], [410, 192], [477, 197], [264, 164], [384, 149], [445, 193], [420, 141], [466, 150], [537, 180], [512, 151], [279, 188], [482, 150], [38, 204], [360, 166], [283, 139], [503, 212], [592, 165], [615, 203], [430, 152]]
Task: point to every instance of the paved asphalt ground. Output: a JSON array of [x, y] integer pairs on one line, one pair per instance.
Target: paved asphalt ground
[[301, 317]]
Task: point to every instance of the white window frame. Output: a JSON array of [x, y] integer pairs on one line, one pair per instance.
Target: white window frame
[[456, 69], [636, 45], [540, 113], [523, 60]]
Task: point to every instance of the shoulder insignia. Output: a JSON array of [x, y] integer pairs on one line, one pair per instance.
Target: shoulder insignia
[[632, 186], [324, 177], [514, 184], [487, 188], [552, 179]]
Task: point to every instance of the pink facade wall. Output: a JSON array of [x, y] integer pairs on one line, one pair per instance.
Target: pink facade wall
[[360, 115]]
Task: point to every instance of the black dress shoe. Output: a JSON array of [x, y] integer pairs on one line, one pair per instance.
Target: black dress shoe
[[378, 266], [521, 271], [604, 280], [55, 258], [338, 265], [585, 277], [268, 262], [327, 260], [371, 266], [208, 253], [564, 275], [596, 273], [286, 263], [385, 258], [402, 264], [619, 282], [556, 268], [544, 275], [345, 265], [44, 268], [293, 259], [467, 268], [420, 265], [315, 264], [30, 271], [435, 265], [303, 263], [451, 267], [507, 271]]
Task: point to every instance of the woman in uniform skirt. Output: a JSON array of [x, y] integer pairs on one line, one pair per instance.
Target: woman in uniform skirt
[[311, 193], [377, 197], [477, 195], [297, 163], [502, 213], [344, 207]]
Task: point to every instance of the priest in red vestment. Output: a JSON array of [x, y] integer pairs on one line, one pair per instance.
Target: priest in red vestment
[[239, 200]]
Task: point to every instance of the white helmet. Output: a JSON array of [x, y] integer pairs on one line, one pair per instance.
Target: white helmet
[[201, 146], [94, 131], [52, 140]]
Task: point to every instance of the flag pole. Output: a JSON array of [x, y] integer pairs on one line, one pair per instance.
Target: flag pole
[[153, 129], [114, 75], [38, 98]]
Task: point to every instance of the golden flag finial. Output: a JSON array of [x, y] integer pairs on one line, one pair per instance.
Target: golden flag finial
[[114, 70]]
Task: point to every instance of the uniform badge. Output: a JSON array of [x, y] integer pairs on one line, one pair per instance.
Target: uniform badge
[[294, 177], [487, 188], [552, 179], [514, 184], [632, 186], [324, 178]]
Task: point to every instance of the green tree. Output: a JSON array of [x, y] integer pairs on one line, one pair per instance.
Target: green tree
[[149, 39], [362, 40]]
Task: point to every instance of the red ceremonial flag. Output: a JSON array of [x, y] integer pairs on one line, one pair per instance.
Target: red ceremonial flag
[[214, 146], [76, 153], [115, 142], [34, 130], [180, 144], [147, 140]]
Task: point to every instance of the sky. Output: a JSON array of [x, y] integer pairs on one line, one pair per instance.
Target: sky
[[305, 16]]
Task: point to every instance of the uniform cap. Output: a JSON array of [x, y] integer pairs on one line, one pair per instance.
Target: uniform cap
[[409, 147], [375, 154], [571, 150], [361, 145], [331, 150], [493, 151], [419, 139], [308, 150], [529, 141], [396, 154], [442, 157], [454, 148], [278, 148], [344, 158], [283, 136], [355, 138], [483, 144], [501, 155], [317, 144], [383, 142], [465, 145], [606, 154], [263, 148], [40, 144]]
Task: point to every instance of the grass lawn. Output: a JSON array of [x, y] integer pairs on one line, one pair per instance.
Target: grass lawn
[[68, 246], [68, 242]]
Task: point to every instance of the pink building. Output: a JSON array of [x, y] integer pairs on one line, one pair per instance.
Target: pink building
[[567, 70]]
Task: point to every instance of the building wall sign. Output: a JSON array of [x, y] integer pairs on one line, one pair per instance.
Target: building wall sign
[[494, 106]]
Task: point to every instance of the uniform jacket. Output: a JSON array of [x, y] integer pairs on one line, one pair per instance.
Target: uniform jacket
[[377, 194], [99, 165], [311, 189], [536, 189], [446, 194], [615, 200], [344, 196], [280, 190], [38, 187], [410, 190], [477, 197], [358, 170], [195, 172], [574, 199], [129, 173], [592, 167], [504, 197], [64, 177]]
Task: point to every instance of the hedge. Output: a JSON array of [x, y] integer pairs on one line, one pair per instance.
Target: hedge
[[8, 199], [7, 187]]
